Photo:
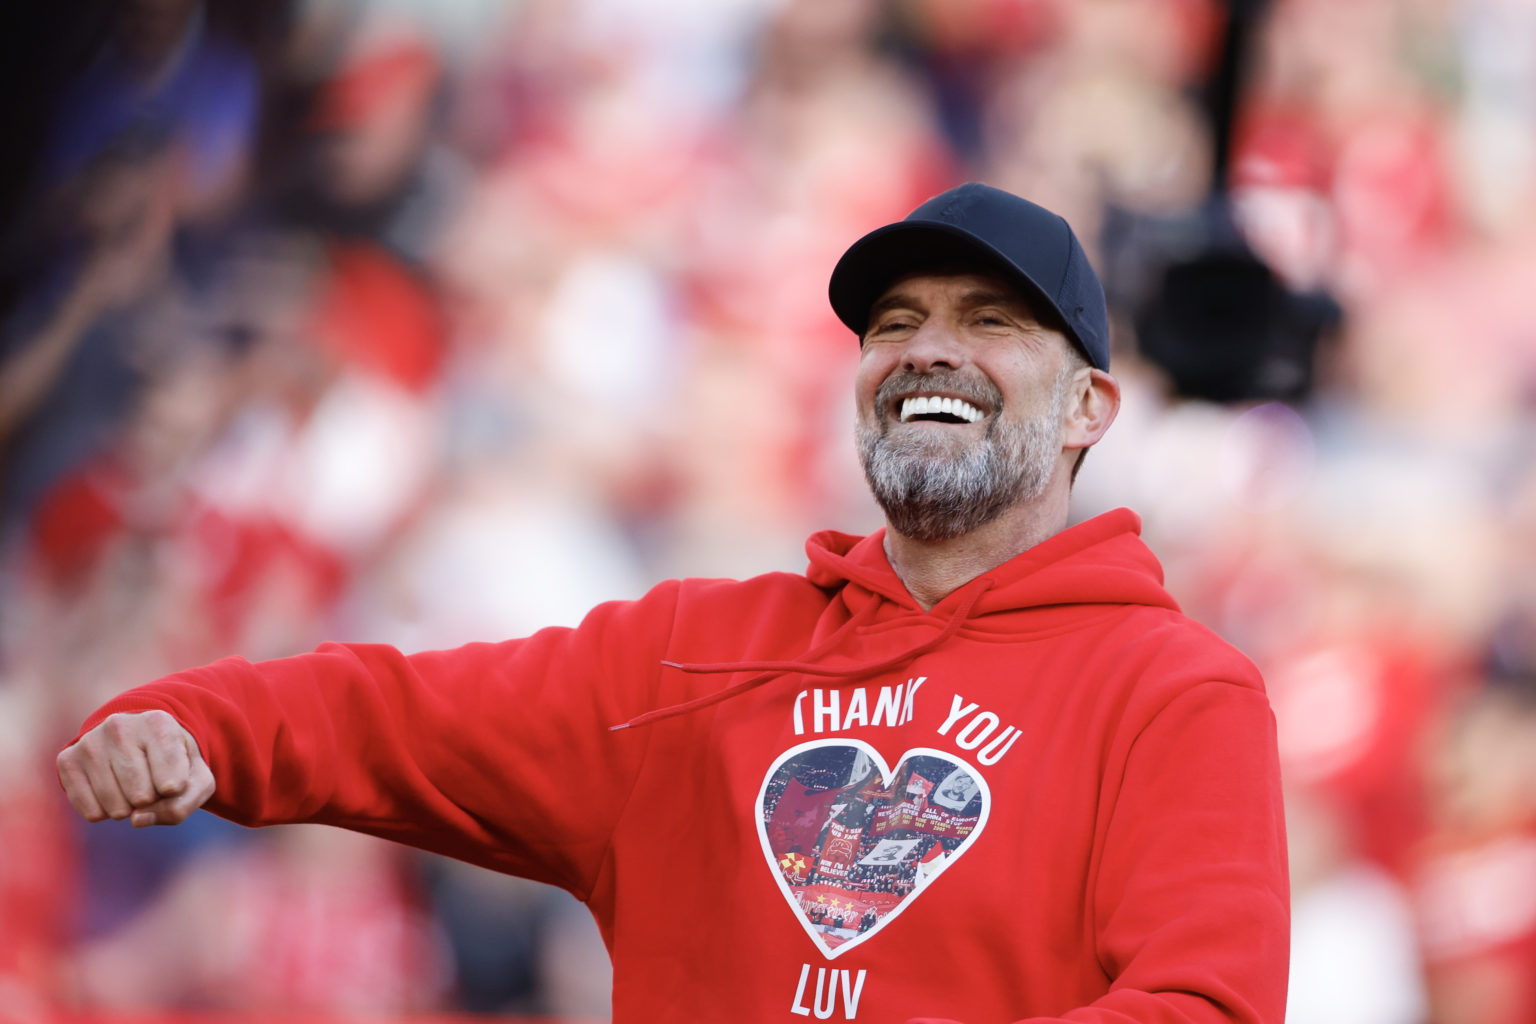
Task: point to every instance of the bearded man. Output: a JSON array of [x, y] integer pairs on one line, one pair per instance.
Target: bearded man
[[1066, 793]]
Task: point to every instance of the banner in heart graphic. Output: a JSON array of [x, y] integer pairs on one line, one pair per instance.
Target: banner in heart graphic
[[852, 842]]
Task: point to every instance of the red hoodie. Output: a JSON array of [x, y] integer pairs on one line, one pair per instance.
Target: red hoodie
[[1050, 797]]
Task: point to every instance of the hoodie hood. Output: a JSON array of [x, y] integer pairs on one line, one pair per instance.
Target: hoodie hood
[[1101, 561]]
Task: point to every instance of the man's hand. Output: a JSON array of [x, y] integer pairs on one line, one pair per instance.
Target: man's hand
[[144, 767]]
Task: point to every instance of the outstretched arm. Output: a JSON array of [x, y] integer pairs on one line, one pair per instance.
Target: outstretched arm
[[471, 753]]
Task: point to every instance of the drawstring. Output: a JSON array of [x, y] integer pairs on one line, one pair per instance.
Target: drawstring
[[805, 664]]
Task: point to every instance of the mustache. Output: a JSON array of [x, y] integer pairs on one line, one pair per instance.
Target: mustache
[[978, 391]]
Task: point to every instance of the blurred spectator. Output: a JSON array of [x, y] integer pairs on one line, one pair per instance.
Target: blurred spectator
[[518, 946], [1474, 883], [305, 921], [68, 353], [161, 69], [370, 167], [1354, 958], [1106, 116], [39, 874]]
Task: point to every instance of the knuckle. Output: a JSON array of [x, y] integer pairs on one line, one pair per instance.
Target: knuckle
[[89, 752], [161, 725]]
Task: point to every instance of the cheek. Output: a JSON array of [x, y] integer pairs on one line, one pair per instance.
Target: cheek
[[1023, 383], [874, 368]]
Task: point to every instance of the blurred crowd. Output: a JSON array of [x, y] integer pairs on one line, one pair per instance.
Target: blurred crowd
[[417, 323]]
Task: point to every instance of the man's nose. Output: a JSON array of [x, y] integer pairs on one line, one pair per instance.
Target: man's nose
[[934, 345]]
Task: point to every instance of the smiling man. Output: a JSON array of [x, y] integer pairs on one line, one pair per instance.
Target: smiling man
[[945, 451], [974, 767], [954, 305]]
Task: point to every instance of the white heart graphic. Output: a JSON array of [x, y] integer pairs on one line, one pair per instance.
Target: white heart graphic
[[852, 842]]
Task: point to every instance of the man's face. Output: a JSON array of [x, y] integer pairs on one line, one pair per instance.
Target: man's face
[[961, 395]]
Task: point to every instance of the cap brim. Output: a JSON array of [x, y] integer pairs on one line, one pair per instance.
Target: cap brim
[[885, 255]]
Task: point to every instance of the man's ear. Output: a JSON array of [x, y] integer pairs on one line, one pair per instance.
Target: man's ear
[[1094, 405]]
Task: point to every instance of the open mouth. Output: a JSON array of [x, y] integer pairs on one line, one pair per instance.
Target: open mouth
[[938, 409]]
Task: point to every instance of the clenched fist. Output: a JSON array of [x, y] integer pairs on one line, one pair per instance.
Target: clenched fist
[[144, 767]]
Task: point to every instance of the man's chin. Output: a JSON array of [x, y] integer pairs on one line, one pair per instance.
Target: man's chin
[[936, 439]]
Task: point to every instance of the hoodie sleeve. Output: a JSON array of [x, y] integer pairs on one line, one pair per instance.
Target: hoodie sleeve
[[498, 754], [1191, 895]]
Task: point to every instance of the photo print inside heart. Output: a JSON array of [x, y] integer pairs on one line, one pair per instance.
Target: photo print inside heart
[[853, 842]]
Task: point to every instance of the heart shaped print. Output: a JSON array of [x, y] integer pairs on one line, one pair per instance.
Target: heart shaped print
[[852, 842]]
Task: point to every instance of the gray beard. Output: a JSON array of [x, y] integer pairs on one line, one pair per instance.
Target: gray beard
[[930, 492]]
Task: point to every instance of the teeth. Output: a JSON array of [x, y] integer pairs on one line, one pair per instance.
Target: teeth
[[924, 404]]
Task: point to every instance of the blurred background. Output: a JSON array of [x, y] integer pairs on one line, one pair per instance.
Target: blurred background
[[422, 322]]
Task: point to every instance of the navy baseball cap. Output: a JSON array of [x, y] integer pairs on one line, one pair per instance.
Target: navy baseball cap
[[1025, 244]]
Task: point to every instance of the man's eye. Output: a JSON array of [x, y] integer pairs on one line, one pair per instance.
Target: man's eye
[[891, 326]]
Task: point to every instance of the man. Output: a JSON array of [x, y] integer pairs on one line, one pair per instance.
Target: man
[[1120, 855]]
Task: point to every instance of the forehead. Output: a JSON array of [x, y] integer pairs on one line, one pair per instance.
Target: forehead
[[964, 288]]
